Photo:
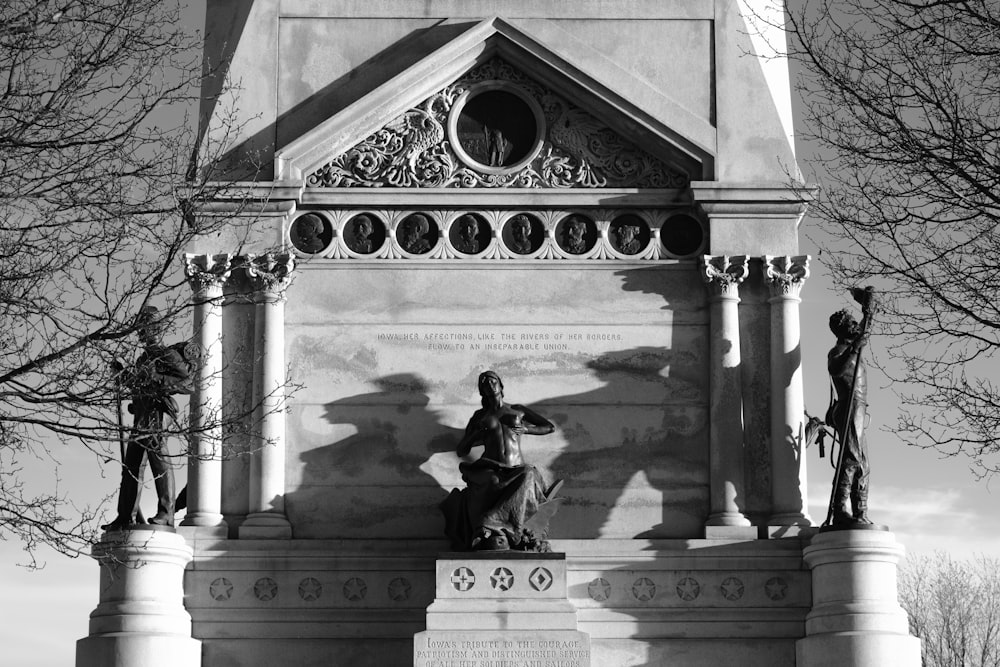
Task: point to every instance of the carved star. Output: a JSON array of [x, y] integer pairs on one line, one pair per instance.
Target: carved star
[[355, 589], [221, 589], [732, 589], [502, 579], [265, 589], [776, 588], [688, 589], [310, 589], [399, 589], [643, 589], [599, 589]]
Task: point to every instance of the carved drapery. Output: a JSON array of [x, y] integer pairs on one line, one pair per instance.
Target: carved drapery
[[579, 150]]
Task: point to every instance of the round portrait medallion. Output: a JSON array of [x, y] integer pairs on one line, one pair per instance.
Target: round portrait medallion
[[496, 127]]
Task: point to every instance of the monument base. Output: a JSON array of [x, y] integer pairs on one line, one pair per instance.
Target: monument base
[[856, 620], [501, 608], [140, 619]]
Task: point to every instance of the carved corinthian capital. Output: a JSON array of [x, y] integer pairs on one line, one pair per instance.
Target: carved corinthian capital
[[724, 273], [207, 272], [786, 274], [270, 272]]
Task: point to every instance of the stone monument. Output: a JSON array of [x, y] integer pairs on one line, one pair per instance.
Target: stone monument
[[589, 199]]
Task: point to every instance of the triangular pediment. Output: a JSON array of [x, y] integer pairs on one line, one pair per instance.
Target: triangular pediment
[[414, 130]]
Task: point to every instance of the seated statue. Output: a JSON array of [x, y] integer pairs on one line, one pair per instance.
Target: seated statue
[[505, 504]]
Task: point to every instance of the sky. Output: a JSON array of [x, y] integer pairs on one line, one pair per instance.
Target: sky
[[930, 501]]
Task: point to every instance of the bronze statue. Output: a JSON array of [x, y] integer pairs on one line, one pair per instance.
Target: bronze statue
[[848, 413], [159, 372], [505, 504]]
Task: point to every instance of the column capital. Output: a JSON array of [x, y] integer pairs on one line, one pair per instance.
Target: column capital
[[206, 272], [269, 273], [724, 273], [785, 274]]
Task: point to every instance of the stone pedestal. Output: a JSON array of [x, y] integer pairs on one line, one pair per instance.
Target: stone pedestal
[[501, 609], [140, 620], [856, 620]]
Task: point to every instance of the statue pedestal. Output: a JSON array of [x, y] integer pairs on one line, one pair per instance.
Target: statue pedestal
[[140, 619], [499, 608], [856, 620]]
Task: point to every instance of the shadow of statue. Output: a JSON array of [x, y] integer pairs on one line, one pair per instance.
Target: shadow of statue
[[375, 482]]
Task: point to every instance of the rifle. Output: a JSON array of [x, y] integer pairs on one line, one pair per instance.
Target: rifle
[[868, 293]]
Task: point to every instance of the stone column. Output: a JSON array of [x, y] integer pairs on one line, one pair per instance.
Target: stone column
[[723, 274], [269, 276], [140, 619], [206, 274], [785, 276], [855, 620], [237, 384]]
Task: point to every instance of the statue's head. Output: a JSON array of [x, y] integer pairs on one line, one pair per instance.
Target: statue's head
[[309, 226], [490, 384], [149, 325], [843, 324], [520, 226], [418, 224], [364, 226]]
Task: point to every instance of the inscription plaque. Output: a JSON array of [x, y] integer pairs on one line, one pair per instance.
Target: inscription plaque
[[502, 649]]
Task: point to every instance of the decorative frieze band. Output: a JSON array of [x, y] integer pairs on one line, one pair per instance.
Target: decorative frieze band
[[475, 235]]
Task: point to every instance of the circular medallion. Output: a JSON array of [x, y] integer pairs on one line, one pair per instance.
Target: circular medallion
[[265, 589], [682, 235], [643, 589], [688, 589], [463, 579], [355, 589], [417, 234], [221, 589], [310, 589], [629, 234], [523, 234], [469, 234], [399, 589], [599, 589], [495, 127], [540, 579], [576, 234], [364, 234], [310, 233], [732, 589], [502, 579], [776, 589]]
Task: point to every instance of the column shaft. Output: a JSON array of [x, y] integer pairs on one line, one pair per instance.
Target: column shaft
[[785, 277], [206, 273], [726, 467], [267, 518]]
